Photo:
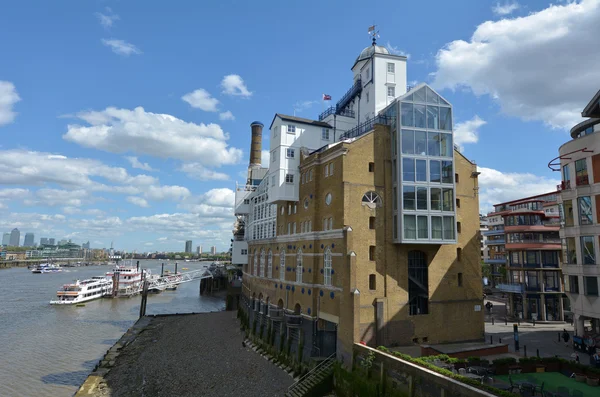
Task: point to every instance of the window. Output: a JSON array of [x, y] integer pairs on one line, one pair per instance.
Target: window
[[371, 199], [391, 68], [255, 268], [371, 167], [294, 228], [419, 116], [262, 263], [289, 178], [447, 200], [418, 283], [458, 227], [587, 250], [407, 118], [408, 197], [305, 203], [574, 284], [591, 285], [448, 228], [447, 172], [289, 153], [328, 199], [585, 210], [581, 174], [327, 267], [436, 227], [408, 169], [459, 254], [422, 229], [422, 198], [330, 223], [371, 222], [244, 252], [291, 129], [391, 91], [435, 171], [455, 178], [565, 173], [371, 252], [421, 142], [299, 266], [325, 223], [282, 209], [326, 170], [421, 170], [372, 282], [410, 227], [457, 203], [460, 279], [569, 251], [295, 208], [445, 119], [282, 265], [325, 134], [433, 117], [270, 264]]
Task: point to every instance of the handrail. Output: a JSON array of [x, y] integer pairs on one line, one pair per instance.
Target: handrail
[[317, 367]]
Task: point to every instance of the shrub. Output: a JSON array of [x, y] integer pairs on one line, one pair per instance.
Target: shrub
[[505, 361]]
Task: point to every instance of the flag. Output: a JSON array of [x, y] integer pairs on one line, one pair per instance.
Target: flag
[[371, 28], [326, 97]]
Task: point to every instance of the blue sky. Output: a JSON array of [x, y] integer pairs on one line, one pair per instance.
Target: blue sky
[[129, 120]]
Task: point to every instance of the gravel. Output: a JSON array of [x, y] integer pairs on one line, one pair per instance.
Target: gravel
[[193, 355]]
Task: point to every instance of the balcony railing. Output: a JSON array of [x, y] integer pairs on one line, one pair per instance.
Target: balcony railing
[[495, 261], [349, 95], [293, 320], [275, 313], [496, 241], [532, 241], [331, 110], [511, 288], [582, 180], [366, 126], [564, 185]]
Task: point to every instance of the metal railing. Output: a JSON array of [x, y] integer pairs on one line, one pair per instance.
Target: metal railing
[[275, 313], [513, 287], [323, 365], [564, 185], [366, 126], [582, 180], [293, 319], [349, 95]]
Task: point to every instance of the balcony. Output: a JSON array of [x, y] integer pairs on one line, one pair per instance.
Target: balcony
[[564, 185], [497, 241], [275, 313], [293, 320], [366, 126], [355, 90], [511, 288], [493, 232], [331, 110], [495, 261]]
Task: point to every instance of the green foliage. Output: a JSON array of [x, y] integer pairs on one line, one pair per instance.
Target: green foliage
[[367, 363], [505, 361], [350, 384]]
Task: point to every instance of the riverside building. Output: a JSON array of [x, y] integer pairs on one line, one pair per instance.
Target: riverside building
[[579, 164], [365, 225], [524, 250]]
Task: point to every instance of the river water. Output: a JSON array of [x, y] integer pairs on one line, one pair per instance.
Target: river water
[[48, 350]]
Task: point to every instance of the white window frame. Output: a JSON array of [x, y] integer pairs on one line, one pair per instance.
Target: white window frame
[[299, 266], [289, 178], [282, 265], [393, 94], [392, 69], [270, 264], [330, 223], [326, 170], [327, 268], [289, 153], [330, 169], [325, 134], [291, 129]]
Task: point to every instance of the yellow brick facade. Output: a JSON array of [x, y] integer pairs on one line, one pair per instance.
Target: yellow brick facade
[[368, 296]]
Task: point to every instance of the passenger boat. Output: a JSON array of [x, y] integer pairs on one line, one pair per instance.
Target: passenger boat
[[127, 280], [83, 291], [46, 268]]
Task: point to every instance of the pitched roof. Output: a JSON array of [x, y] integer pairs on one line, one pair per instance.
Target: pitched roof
[[299, 120]]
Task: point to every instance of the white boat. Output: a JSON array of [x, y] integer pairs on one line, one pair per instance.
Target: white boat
[[127, 280], [46, 268], [83, 291]]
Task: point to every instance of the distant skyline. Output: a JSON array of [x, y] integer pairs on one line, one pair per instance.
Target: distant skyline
[[130, 121]]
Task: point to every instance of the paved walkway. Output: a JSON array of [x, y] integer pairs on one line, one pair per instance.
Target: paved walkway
[[190, 355]]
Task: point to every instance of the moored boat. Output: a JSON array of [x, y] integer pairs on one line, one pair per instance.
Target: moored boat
[[46, 268], [83, 291], [127, 280]]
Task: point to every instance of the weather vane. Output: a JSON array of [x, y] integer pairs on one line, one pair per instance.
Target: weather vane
[[373, 33]]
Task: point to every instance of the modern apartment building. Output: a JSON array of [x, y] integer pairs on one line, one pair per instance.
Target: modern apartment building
[[15, 236], [579, 163], [188, 247], [524, 250], [29, 240], [364, 230]]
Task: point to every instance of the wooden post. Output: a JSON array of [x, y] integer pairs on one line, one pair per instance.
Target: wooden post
[[144, 298]]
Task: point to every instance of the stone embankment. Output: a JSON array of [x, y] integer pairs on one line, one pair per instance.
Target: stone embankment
[[184, 355]]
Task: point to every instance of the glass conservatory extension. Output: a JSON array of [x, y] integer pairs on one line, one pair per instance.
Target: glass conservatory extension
[[423, 168]]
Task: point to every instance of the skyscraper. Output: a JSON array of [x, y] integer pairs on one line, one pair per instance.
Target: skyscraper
[[28, 242], [188, 247], [199, 250], [15, 236], [51, 241], [86, 245], [213, 250], [44, 241], [5, 239]]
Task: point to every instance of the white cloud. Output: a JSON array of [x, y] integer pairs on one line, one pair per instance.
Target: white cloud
[[160, 135], [265, 158], [121, 47], [537, 67], [300, 106], [219, 197], [135, 163], [148, 244], [467, 131], [506, 8], [107, 20], [497, 187], [200, 172], [396, 51], [13, 194], [8, 97], [226, 116], [59, 197], [140, 202], [162, 239], [76, 210], [160, 193], [234, 85], [201, 99]]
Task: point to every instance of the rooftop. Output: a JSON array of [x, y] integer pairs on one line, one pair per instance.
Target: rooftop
[[301, 120]]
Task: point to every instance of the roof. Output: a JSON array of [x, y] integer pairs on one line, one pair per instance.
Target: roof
[[592, 109], [257, 123], [369, 51], [300, 120], [531, 198]]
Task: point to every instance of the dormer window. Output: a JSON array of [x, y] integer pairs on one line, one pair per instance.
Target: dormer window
[[291, 129]]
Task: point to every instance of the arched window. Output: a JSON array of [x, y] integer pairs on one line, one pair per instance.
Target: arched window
[[327, 267], [255, 268], [299, 266], [418, 283], [262, 263], [371, 200], [270, 264], [282, 265], [297, 309]]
